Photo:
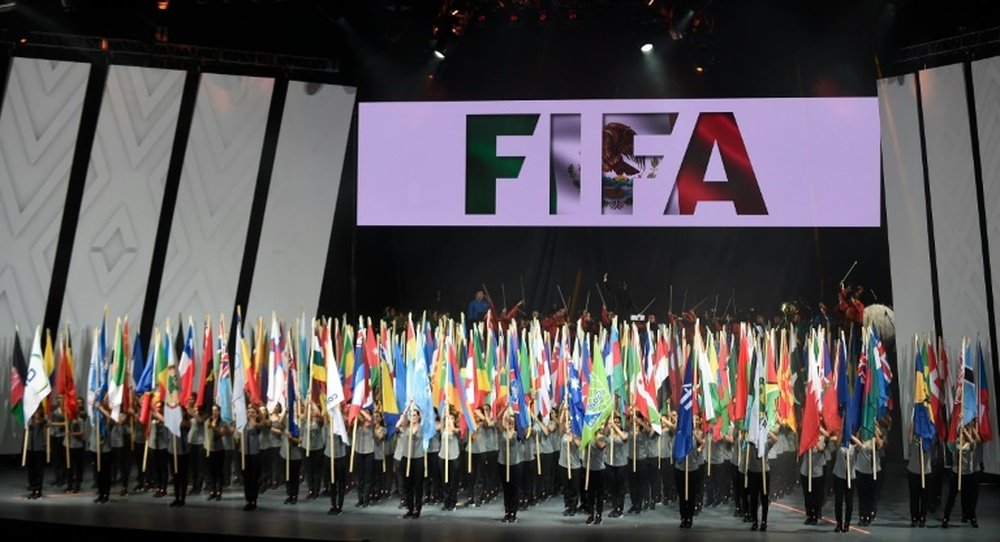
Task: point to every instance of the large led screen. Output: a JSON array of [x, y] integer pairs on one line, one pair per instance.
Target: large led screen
[[775, 162]]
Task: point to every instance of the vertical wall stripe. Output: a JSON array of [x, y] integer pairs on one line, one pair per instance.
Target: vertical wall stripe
[[931, 248]]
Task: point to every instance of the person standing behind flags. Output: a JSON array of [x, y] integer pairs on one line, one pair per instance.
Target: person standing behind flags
[[196, 441], [844, 481], [693, 460], [57, 421], [481, 464], [217, 429], [450, 461], [569, 469], [364, 460], [272, 464], [638, 482], [36, 453], [509, 466], [179, 446], [412, 462], [594, 493], [383, 478], [139, 449], [616, 465], [666, 480], [919, 479], [813, 499], [291, 454], [106, 466], [866, 477], [335, 447], [549, 451], [77, 440], [968, 459], [719, 482], [314, 463], [760, 482], [159, 442], [256, 426]]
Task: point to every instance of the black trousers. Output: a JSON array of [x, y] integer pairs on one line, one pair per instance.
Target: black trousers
[[510, 487], [413, 485], [180, 473], [529, 479], [667, 480], [843, 499], [970, 494], [216, 458], [918, 495], [616, 482], [364, 474], [480, 470], [654, 466], [314, 470], [292, 484], [687, 505], [251, 477], [736, 483], [548, 482], [267, 469], [638, 483], [451, 486], [866, 496], [122, 460], [813, 500], [572, 482], [60, 469], [718, 483], [161, 466], [136, 455], [759, 495], [36, 469], [594, 493], [432, 485], [196, 467], [76, 469], [104, 475], [339, 484]]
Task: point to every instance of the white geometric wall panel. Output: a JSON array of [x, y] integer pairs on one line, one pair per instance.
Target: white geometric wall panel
[[113, 249], [906, 222], [301, 199], [957, 236], [986, 81], [39, 123], [209, 228]]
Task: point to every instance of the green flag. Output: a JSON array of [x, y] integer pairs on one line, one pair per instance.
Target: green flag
[[599, 404]]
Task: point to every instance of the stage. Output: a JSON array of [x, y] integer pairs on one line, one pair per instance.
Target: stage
[[138, 514]]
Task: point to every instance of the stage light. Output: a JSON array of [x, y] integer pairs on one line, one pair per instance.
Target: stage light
[[513, 17], [699, 69], [7, 6], [439, 54], [23, 41], [646, 48], [543, 16], [162, 5], [572, 15], [104, 44]]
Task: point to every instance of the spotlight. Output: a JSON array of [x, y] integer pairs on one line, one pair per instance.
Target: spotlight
[[439, 54], [162, 5], [572, 15], [104, 44], [513, 18], [543, 16], [699, 69], [646, 48]]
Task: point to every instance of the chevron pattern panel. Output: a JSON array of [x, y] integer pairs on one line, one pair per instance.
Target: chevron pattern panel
[[39, 123], [906, 221], [209, 226], [953, 201], [119, 215], [303, 195], [986, 81]]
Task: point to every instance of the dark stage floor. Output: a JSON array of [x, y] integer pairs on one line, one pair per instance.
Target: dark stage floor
[[135, 515]]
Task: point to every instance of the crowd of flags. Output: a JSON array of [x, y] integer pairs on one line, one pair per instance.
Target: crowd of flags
[[739, 378]]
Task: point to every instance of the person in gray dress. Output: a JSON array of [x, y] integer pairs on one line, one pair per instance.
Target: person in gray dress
[[36, 453]]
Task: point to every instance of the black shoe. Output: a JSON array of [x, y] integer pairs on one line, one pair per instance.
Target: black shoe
[[944, 523], [567, 512], [808, 521], [755, 526], [839, 528], [175, 503], [416, 515], [847, 527], [590, 519], [616, 513], [288, 500], [974, 523], [408, 514], [597, 520], [913, 522], [634, 510], [763, 526], [159, 495], [922, 522]]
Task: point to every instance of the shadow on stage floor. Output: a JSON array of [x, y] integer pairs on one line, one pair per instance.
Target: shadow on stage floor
[[135, 516]]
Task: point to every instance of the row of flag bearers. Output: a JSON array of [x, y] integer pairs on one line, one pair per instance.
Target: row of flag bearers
[[586, 402]]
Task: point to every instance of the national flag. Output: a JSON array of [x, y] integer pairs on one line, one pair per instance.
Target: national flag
[[970, 403], [185, 368], [224, 388], [935, 379], [242, 356], [869, 406], [390, 404], [706, 375], [923, 421], [742, 373], [985, 429], [18, 374], [207, 364], [277, 385], [172, 412], [599, 401], [811, 408], [684, 437], [786, 400], [36, 382], [49, 365], [419, 393], [318, 371], [831, 410], [517, 403], [95, 379], [65, 383], [116, 380], [334, 385]]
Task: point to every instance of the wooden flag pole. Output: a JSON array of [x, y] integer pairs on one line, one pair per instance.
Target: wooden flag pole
[[145, 449], [659, 452], [709, 454], [426, 474], [635, 443], [208, 440], [309, 413], [746, 468], [243, 449], [48, 445], [98, 441], [507, 466], [24, 450], [288, 456], [922, 481], [538, 453], [175, 454], [354, 442], [409, 449], [468, 448], [445, 438], [586, 477], [848, 455], [763, 473], [874, 453], [810, 452], [960, 460], [686, 476], [569, 461], [66, 445]]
